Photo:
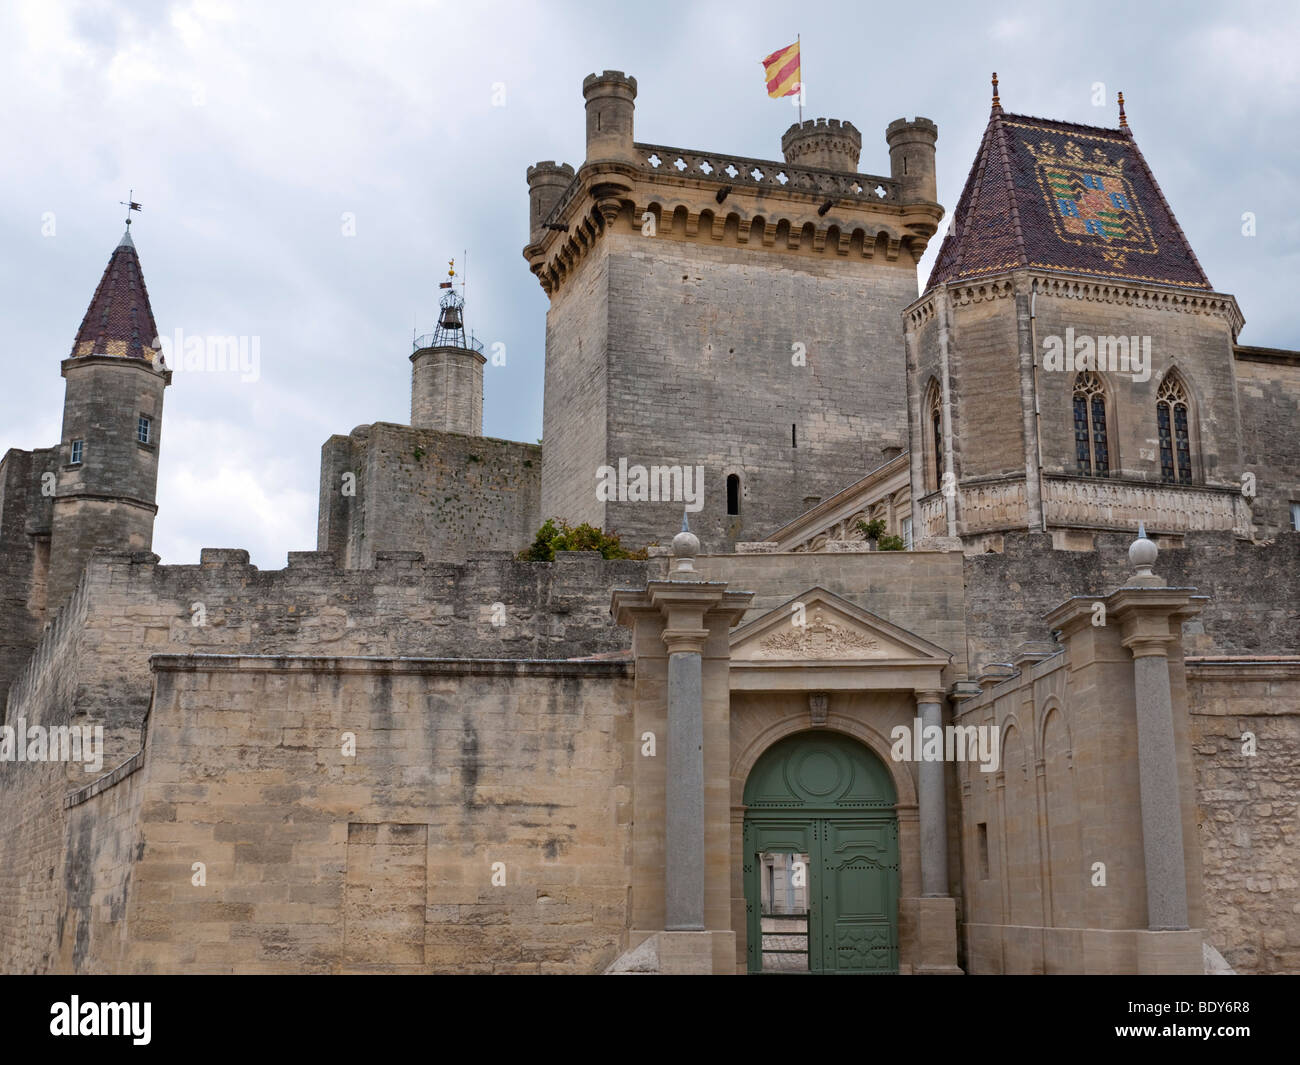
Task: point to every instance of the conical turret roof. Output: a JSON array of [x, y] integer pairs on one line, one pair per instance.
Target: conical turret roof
[[119, 320]]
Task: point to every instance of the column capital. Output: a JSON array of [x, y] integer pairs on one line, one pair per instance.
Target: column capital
[[685, 641], [1151, 618], [929, 695]]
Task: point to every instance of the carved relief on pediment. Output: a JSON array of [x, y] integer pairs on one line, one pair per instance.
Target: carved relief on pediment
[[820, 638]]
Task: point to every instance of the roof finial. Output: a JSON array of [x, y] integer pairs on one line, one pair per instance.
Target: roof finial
[[1123, 118], [997, 103]]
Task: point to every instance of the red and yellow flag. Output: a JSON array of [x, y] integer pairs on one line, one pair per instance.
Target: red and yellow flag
[[781, 71]]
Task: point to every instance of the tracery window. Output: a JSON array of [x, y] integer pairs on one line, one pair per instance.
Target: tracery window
[[1091, 452], [1172, 423]]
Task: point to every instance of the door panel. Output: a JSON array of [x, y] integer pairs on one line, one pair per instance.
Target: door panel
[[858, 895]]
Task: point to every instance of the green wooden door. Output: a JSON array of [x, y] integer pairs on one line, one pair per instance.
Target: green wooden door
[[826, 801]]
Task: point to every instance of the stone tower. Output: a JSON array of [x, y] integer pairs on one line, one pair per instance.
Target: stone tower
[[720, 315], [106, 473], [1070, 367], [447, 374]]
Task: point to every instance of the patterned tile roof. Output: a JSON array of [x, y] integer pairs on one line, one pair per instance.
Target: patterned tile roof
[[119, 320], [1053, 195]]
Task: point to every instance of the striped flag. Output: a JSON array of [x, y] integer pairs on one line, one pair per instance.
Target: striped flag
[[781, 72]]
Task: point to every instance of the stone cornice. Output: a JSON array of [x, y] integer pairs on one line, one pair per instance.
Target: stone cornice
[[1052, 285], [816, 212]]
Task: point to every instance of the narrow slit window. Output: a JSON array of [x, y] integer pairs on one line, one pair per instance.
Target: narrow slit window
[[733, 495]]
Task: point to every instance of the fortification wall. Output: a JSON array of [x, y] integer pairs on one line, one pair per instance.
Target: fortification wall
[[316, 861], [33, 822], [446, 495], [1253, 591], [492, 607]]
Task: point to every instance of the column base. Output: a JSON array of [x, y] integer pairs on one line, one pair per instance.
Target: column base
[[927, 932]]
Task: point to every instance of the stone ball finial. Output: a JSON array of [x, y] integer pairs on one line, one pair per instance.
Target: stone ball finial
[[1142, 554], [686, 545]]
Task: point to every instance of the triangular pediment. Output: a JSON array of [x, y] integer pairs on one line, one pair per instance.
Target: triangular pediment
[[820, 626]]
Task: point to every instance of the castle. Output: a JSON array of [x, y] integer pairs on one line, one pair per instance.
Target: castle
[[1058, 732]]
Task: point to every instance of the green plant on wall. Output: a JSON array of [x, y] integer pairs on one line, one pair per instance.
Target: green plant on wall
[[558, 535], [873, 529], [891, 543]]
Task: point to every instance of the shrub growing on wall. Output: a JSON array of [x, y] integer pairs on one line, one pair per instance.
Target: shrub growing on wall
[[558, 535]]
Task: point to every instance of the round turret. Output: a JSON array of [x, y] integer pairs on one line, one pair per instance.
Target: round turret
[[610, 97], [911, 158], [823, 142], [546, 184]]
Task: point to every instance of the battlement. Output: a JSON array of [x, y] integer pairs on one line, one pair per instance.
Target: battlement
[[827, 143]]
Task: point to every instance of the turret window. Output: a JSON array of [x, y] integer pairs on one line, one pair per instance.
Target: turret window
[[1090, 450], [78, 446], [144, 430]]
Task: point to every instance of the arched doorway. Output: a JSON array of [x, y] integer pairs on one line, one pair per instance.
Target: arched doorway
[[821, 858]]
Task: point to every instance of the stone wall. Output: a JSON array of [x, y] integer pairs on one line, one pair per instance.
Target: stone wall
[[446, 495], [319, 862], [1249, 808], [493, 607], [1253, 590], [1268, 389], [701, 342], [33, 822], [24, 556], [576, 398]]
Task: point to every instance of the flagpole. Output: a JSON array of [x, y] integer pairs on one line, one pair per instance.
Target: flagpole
[[799, 44]]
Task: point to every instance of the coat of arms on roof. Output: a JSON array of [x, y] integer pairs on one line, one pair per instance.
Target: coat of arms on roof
[[1090, 200]]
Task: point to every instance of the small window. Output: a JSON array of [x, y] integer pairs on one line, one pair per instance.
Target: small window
[[982, 848], [907, 534], [733, 495], [1295, 516], [78, 446], [144, 429], [794, 435]]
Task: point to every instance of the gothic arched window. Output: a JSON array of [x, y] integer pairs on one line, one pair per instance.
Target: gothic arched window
[[1173, 424], [1090, 450], [934, 425]]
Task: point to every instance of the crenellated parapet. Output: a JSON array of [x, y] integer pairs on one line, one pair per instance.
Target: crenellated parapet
[[812, 203]]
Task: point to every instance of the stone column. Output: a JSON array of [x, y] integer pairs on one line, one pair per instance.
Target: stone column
[[933, 803], [684, 821], [679, 639], [1146, 611]]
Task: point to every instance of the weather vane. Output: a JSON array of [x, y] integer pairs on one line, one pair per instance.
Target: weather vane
[[130, 205]]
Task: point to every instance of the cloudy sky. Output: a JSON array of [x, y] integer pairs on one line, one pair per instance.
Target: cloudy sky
[[252, 131]]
